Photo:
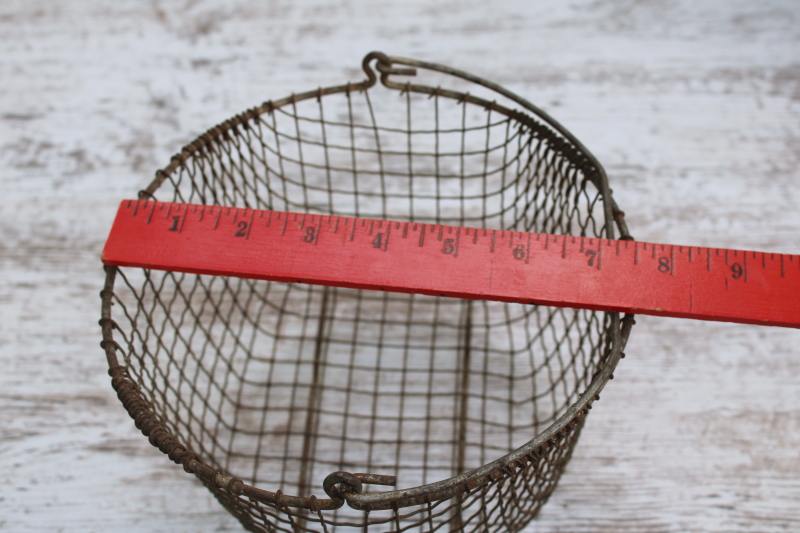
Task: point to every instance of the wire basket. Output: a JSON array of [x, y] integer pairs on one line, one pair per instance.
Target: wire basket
[[271, 393]]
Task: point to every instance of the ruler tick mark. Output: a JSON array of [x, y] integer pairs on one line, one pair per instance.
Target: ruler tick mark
[[528, 251], [219, 214], [319, 229], [671, 260], [386, 240], [250, 225], [599, 255], [744, 260]]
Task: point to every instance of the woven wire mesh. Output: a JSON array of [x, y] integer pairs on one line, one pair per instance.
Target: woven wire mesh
[[275, 386]]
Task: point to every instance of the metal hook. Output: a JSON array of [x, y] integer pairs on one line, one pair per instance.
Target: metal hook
[[384, 66]]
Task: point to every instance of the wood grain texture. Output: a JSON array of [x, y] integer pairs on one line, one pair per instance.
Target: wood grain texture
[[692, 107]]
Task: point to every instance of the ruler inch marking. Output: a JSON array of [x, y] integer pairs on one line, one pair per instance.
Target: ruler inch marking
[[319, 230], [150, 216], [528, 251], [183, 220], [671, 260], [599, 255], [744, 260], [285, 223], [386, 240], [250, 225]]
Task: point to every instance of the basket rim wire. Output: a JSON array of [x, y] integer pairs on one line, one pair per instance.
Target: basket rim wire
[[346, 487]]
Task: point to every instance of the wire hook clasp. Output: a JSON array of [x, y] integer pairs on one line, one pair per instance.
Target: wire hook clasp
[[384, 66], [339, 485]]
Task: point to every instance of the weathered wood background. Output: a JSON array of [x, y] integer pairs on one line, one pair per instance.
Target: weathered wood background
[[693, 107]]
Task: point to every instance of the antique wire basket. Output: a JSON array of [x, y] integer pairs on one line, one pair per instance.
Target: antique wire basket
[[278, 396]]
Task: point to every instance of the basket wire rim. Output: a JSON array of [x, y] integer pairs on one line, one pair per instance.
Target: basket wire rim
[[338, 485]]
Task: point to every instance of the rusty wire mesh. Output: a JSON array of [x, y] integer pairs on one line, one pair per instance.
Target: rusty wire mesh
[[263, 389]]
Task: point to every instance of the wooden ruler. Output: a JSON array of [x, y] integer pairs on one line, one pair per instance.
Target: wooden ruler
[[510, 266]]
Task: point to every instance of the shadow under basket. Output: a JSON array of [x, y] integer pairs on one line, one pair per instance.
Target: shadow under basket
[[311, 408]]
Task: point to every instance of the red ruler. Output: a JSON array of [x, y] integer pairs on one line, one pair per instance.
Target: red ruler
[[510, 266]]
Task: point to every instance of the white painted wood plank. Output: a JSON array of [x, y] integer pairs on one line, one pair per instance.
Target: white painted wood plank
[[692, 107]]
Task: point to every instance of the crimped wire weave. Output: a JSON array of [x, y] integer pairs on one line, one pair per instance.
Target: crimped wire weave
[[275, 386]]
